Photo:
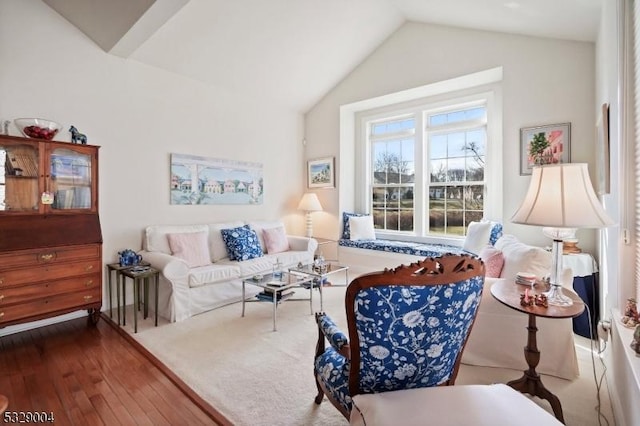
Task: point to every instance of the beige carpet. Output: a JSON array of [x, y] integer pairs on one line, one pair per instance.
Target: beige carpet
[[255, 376]]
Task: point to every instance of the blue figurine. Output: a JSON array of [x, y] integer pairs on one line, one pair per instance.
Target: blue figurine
[[76, 136]]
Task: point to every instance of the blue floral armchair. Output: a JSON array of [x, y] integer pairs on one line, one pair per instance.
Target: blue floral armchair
[[407, 329]]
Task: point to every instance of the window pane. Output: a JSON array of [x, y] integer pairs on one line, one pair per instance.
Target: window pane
[[475, 113], [406, 220], [438, 171], [456, 144], [455, 170], [474, 197], [438, 147], [394, 126], [379, 219], [455, 222]]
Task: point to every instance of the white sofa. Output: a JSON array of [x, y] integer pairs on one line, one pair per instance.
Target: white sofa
[[185, 291], [499, 333]]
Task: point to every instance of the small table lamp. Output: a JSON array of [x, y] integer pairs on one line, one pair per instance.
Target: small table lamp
[[309, 203], [561, 197]]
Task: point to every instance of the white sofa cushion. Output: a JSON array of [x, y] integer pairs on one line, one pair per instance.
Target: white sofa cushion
[[217, 247], [520, 257], [156, 235], [213, 273], [478, 405]]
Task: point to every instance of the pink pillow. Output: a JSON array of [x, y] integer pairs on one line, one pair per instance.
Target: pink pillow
[[493, 261], [192, 247], [275, 239]]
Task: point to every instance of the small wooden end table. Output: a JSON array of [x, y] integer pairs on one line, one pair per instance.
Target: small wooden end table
[[508, 293], [139, 276], [117, 268]]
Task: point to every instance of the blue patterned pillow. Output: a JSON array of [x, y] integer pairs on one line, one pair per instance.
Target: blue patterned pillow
[[242, 243], [346, 230], [496, 233]]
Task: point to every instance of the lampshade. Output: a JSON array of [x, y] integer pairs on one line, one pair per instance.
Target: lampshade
[[561, 195], [310, 203], [561, 198]]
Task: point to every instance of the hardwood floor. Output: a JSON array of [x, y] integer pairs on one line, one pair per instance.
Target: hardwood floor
[[86, 375]]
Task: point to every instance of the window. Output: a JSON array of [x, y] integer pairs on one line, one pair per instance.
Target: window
[[426, 167], [456, 141]]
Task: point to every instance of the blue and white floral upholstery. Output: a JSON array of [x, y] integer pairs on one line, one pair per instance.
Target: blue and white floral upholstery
[[242, 243], [407, 329]]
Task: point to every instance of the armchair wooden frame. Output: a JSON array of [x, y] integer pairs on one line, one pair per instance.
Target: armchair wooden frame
[[447, 269]]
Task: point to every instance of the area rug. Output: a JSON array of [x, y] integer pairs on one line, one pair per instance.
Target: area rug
[[251, 374], [255, 376]]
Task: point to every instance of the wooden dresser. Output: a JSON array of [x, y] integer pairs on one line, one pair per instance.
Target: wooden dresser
[[50, 249]]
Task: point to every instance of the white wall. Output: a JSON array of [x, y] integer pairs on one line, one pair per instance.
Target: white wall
[[139, 115], [617, 255], [545, 81]]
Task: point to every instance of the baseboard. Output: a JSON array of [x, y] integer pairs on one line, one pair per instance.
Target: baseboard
[[12, 329], [624, 380]]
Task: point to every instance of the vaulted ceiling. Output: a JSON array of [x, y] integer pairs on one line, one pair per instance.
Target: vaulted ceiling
[[294, 51]]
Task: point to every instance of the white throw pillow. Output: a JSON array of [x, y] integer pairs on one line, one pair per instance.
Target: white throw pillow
[[362, 228], [520, 257], [478, 234]]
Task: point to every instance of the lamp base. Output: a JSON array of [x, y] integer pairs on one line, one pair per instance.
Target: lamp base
[[556, 298]]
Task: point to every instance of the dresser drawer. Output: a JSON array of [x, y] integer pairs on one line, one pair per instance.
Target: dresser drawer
[[38, 274], [60, 302], [47, 256], [11, 295]]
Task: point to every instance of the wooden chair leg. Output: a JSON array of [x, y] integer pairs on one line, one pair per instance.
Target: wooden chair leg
[[320, 396]]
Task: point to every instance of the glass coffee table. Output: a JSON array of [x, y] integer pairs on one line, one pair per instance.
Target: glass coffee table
[[319, 275], [277, 290]]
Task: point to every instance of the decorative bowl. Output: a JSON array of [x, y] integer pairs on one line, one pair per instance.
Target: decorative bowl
[[38, 128]]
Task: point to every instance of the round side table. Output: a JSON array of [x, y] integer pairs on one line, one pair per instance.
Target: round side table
[[508, 293]]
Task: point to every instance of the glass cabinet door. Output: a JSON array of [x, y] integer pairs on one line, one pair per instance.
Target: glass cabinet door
[[70, 179], [19, 190]]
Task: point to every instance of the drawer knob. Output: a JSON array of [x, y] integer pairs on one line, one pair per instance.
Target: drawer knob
[[88, 267], [88, 297], [1, 314], [89, 283], [46, 257], [1, 281], [1, 296]]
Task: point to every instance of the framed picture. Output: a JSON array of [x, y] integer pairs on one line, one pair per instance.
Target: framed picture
[[602, 151], [556, 137], [320, 173]]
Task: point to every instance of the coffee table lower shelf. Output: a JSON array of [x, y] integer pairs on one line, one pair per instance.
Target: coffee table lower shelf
[[280, 293]]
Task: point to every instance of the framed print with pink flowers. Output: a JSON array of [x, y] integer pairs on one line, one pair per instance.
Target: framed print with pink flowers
[[548, 144]]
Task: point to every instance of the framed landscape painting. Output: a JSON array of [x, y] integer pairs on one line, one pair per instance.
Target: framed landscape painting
[[556, 137], [321, 173]]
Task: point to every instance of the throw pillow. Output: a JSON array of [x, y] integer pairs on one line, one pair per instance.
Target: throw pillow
[[217, 247], [478, 234], [520, 257], [361, 228], [242, 243], [192, 247], [493, 261], [275, 239], [346, 232]]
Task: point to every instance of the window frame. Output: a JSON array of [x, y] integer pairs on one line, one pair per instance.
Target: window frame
[[419, 108]]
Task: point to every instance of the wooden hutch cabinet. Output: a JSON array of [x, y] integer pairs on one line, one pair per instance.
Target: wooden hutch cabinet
[[50, 236]]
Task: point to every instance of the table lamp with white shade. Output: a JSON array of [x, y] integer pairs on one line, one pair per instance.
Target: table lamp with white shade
[[561, 198], [309, 203]]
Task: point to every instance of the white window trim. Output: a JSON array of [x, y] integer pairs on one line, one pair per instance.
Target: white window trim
[[469, 88]]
